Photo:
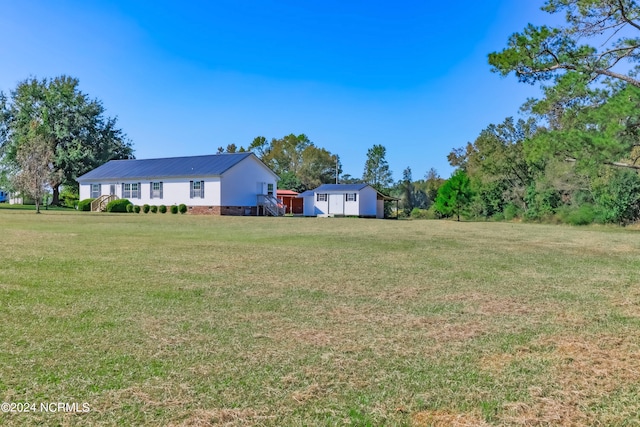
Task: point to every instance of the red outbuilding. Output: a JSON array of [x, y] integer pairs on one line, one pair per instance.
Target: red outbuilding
[[293, 205]]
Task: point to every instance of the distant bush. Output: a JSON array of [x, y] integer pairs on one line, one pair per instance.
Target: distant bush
[[510, 211], [182, 208], [154, 209], [129, 208], [118, 205], [498, 216], [145, 208], [68, 197], [174, 209], [583, 215], [162, 209], [85, 205], [417, 213], [430, 213], [137, 209]]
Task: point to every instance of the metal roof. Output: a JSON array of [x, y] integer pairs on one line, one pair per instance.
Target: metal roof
[[340, 187], [172, 167]]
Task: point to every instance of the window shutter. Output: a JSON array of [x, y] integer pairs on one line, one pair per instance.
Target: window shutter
[[123, 190], [191, 189], [161, 189], [99, 190], [151, 190], [355, 197], [139, 190], [202, 189]]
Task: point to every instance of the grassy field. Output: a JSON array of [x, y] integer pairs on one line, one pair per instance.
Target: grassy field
[[194, 320]]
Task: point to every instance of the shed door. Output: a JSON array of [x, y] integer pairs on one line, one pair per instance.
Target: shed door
[[336, 204]]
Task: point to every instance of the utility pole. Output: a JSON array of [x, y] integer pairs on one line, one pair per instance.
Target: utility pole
[[337, 159]]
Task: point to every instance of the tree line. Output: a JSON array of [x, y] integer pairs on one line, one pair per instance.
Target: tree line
[[574, 157]]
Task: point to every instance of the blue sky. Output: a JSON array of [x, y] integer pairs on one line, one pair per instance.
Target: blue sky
[[184, 78]]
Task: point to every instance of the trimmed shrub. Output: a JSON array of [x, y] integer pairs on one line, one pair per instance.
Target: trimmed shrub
[[145, 208], [154, 209], [85, 205], [136, 209], [162, 209], [118, 205], [182, 208], [174, 209], [129, 208]]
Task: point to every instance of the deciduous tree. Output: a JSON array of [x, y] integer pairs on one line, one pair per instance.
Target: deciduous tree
[[298, 161], [35, 159], [81, 136]]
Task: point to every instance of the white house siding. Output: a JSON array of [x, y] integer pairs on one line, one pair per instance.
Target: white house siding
[[242, 183], [321, 208], [309, 208], [368, 202], [352, 208], [174, 191], [380, 209]]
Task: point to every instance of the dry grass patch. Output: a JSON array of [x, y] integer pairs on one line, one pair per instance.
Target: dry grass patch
[[225, 417], [582, 373], [446, 419]]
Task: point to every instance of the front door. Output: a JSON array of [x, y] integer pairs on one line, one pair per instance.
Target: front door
[[112, 190]]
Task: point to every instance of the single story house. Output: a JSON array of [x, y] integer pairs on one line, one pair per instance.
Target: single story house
[[290, 200], [344, 200], [221, 184]]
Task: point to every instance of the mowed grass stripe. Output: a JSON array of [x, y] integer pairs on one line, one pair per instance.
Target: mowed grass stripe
[[192, 320]]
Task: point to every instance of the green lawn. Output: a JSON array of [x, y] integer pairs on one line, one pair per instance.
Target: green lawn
[[193, 320]]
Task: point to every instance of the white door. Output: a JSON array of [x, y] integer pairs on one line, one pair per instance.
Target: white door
[[336, 204]]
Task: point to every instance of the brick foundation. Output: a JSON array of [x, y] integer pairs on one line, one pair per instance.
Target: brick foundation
[[203, 210], [222, 210]]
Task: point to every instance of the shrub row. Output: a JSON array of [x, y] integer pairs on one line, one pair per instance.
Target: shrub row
[[162, 208], [124, 205]]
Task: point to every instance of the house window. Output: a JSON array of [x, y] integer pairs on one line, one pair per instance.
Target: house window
[[197, 189], [95, 191], [351, 197], [156, 190], [131, 191], [321, 197], [270, 189]]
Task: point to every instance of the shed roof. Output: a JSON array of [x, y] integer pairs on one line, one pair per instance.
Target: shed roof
[[327, 188], [172, 167], [341, 187]]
